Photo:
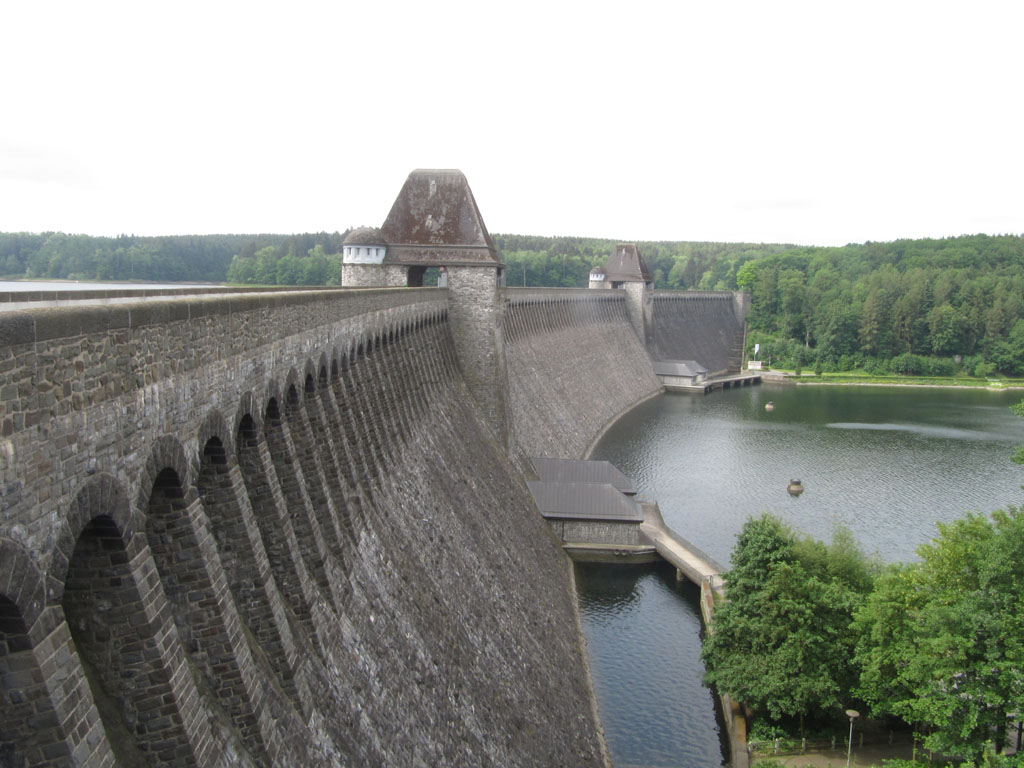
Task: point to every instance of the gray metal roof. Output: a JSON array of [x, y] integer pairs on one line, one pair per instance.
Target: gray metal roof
[[678, 368], [574, 471], [584, 501], [364, 236]]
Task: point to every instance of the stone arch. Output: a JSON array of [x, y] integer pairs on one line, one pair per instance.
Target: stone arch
[[216, 426], [21, 582], [254, 463], [289, 480], [366, 393], [167, 454], [176, 531], [349, 431], [120, 631], [249, 407], [102, 493], [323, 366], [273, 393], [30, 730], [309, 372], [220, 490], [312, 442], [292, 387]]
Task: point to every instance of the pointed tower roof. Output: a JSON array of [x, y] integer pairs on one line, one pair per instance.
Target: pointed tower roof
[[435, 221], [626, 265]]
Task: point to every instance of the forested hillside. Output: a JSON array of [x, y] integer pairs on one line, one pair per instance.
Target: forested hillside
[[566, 261], [183, 258], [909, 306]]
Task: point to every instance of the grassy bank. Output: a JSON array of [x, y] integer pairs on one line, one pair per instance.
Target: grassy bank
[[863, 378]]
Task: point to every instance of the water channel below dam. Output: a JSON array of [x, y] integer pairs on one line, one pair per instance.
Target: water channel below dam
[[885, 462]]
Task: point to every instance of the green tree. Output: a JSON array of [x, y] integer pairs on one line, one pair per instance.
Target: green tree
[[941, 641], [947, 331], [1018, 455], [780, 642]]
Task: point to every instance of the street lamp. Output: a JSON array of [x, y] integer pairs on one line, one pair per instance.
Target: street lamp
[[853, 714]]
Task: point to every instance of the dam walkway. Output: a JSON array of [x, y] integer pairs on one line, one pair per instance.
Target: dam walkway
[[688, 560]]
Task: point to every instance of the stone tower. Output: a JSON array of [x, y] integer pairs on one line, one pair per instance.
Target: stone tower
[[435, 222], [626, 270]]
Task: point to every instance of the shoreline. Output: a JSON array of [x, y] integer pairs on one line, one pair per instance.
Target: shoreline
[[894, 383]]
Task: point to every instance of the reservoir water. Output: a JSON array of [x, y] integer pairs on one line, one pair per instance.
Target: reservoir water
[[886, 462]]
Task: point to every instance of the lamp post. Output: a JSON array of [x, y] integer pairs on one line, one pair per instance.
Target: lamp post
[[853, 714]]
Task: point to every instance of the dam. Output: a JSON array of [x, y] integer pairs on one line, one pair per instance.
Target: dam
[[247, 528]]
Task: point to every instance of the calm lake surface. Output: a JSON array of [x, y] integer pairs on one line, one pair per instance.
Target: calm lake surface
[[886, 462]]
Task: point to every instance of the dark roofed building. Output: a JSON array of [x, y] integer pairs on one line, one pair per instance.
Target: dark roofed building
[[626, 265], [579, 471], [680, 373], [435, 221], [584, 501], [434, 224], [627, 271]]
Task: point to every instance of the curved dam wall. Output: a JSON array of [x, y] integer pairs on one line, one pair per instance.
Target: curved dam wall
[[273, 530], [574, 363], [706, 326]]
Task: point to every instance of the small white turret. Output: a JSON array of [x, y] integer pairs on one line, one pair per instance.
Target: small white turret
[[362, 257], [363, 246]]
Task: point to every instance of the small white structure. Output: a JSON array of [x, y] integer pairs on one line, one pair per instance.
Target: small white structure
[[362, 258], [598, 279]]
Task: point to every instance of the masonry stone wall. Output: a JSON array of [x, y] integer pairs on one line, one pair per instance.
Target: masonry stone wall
[[706, 326], [273, 529], [574, 363], [374, 275], [597, 532], [476, 311]]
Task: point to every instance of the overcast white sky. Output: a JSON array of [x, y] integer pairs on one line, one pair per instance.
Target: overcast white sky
[[806, 122]]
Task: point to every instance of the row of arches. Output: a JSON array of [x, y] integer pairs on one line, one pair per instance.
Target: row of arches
[[168, 619]]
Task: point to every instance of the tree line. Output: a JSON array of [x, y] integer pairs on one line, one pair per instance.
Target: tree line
[[811, 629], [183, 258], [909, 306], [565, 262]]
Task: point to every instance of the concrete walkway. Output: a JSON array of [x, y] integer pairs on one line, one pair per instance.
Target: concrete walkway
[[693, 563]]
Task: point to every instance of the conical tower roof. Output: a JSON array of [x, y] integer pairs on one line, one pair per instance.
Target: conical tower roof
[[626, 265], [435, 221]]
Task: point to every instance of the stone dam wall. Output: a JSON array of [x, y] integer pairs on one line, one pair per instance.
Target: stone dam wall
[[275, 529], [574, 364], [706, 326]]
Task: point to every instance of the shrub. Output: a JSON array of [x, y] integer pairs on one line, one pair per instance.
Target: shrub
[[984, 370], [938, 366], [907, 364]]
